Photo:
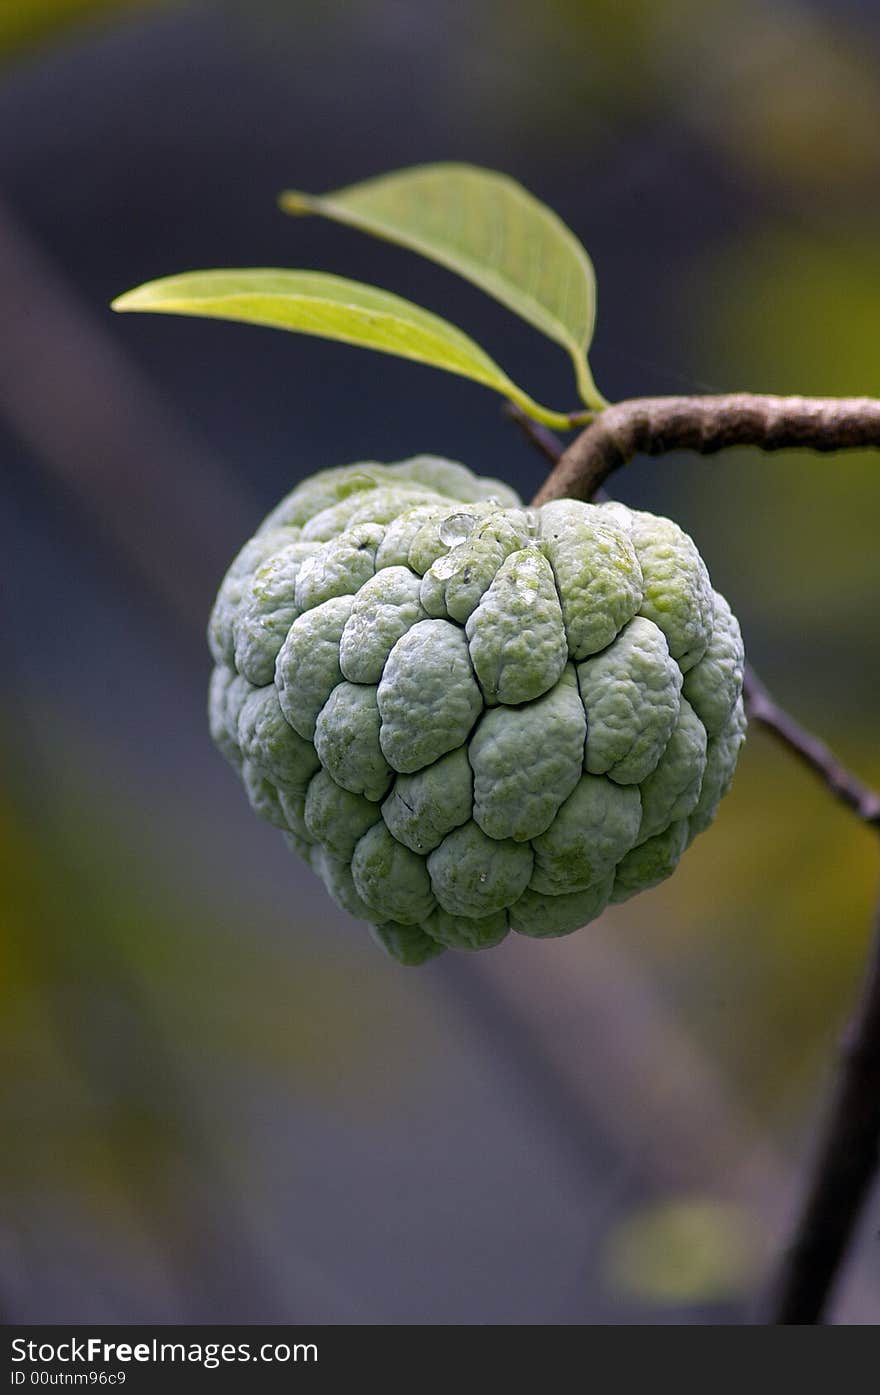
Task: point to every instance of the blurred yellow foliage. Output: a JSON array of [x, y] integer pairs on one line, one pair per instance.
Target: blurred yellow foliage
[[760, 937], [789, 312], [785, 92], [24, 23], [107, 944], [685, 1250]]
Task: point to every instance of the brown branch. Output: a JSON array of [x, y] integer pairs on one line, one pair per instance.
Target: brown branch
[[657, 425], [849, 1150], [843, 1172], [848, 1154]]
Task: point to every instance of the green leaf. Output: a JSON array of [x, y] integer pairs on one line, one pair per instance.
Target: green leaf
[[312, 302], [488, 228]]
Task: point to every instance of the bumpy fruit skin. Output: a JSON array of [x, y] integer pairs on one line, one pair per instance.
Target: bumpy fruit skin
[[469, 716]]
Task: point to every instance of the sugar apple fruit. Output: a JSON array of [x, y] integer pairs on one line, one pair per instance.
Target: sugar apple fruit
[[467, 715]]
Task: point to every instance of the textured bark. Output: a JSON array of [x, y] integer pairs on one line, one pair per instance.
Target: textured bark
[[657, 425]]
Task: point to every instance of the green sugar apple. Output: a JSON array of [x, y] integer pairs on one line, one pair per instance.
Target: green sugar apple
[[470, 716]]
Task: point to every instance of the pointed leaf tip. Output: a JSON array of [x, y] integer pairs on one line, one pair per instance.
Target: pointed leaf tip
[[489, 229], [294, 201], [332, 307]]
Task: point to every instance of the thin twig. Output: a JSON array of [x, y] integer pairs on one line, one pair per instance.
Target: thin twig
[[849, 1151], [541, 437], [657, 425], [818, 757]]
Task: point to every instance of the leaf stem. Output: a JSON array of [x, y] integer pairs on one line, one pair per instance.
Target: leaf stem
[[586, 384]]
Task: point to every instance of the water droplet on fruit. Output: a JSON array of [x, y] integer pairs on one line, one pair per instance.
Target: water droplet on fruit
[[456, 529], [355, 484], [444, 567]]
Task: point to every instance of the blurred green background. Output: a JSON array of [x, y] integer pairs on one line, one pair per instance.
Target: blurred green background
[[221, 1103]]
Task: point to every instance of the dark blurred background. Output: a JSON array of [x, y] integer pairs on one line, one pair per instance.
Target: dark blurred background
[[221, 1102]]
